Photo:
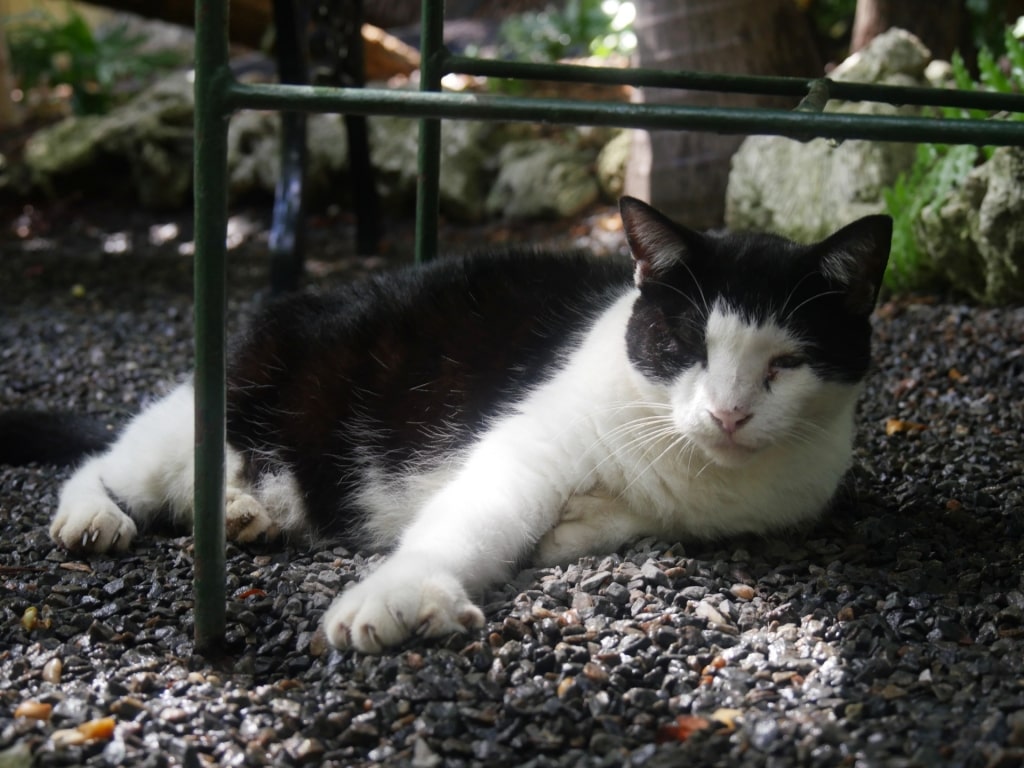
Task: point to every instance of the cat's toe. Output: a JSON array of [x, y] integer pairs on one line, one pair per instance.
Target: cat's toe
[[246, 520], [358, 622], [398, 602], [446, 611], [95, 524]]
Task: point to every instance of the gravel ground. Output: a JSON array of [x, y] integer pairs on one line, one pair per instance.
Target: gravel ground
[[892, 633]]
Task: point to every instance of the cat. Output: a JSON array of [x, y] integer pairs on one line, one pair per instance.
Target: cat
[[473, 413]]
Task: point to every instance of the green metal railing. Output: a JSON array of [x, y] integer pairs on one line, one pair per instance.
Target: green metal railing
[[218, 95]]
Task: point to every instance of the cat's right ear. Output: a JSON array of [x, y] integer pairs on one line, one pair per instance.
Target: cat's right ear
[[656, 242], [855, 257]]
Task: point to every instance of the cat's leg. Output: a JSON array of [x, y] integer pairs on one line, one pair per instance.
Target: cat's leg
[[423, 592], [473, 532], [590, 525], [149, 471], [146, 471]]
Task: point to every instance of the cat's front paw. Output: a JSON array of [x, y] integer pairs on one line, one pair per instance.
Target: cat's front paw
[[92, 524], [403, 598]]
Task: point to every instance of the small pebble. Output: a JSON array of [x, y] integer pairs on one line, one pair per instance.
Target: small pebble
[[52, 670], [742, 591]]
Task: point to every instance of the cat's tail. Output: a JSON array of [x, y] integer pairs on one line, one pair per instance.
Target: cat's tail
[[52, 438]]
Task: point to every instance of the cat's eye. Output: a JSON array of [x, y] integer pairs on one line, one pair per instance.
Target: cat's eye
[[782, 363], [786, 362]]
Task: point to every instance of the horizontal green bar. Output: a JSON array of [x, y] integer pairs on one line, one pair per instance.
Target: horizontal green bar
[[654, 78], [925, 97], [798, 125], [797, 87]]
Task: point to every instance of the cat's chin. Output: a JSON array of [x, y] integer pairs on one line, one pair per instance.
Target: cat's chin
[[729, 454]]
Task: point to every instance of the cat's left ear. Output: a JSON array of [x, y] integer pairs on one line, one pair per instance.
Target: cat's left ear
[[656, 242], [855, 258]]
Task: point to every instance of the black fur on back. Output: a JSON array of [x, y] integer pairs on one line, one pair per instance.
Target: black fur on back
[[404, 366]]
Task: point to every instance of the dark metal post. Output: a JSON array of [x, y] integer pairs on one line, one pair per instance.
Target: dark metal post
[[287, 240], [211, 131], [428, 179]]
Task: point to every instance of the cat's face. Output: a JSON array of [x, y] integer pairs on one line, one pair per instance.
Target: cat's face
[[753, 339]]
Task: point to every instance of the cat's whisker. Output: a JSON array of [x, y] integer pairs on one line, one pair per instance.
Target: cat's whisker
[[614, 408], [807, 428], [642, 457], [707, 464], [703, 307], [698, 286], [640, 438], [626, 426], [638, 428], [792, 291], [807, 433], [815, 297], [680, 441], [646, 431]]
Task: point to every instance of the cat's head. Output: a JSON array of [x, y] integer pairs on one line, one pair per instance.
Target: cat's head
[[756, 340]]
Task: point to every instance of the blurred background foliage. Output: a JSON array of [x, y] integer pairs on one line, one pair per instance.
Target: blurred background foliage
[[574, 29], [97, 67]]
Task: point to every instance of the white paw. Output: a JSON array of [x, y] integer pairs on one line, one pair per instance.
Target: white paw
[[402, 598], [245, 519], [92, 524]]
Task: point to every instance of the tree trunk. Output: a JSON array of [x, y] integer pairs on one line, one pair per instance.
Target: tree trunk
[[685, 173], [942, 25]]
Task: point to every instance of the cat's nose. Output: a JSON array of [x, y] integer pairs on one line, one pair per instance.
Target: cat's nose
[[730, 421]]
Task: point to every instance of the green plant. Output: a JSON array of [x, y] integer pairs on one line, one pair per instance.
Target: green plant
[[987, 22], [936, 171], [578, 28], [939, 168], [99, 69]]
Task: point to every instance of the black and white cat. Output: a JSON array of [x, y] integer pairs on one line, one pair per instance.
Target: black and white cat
[[472, 414]]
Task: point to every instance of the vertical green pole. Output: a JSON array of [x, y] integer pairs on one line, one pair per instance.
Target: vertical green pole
[[211, 131], [428, 177]]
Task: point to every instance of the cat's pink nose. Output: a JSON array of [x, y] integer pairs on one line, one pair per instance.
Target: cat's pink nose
[[730, 421]]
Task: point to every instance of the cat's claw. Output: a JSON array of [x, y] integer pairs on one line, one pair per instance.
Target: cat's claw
[[94, 524], [402, 599]]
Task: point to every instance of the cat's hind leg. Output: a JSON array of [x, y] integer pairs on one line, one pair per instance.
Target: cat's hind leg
[[146, 472], [149, 472]]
